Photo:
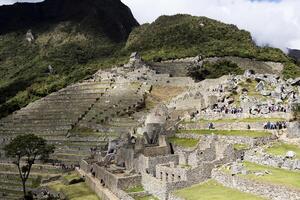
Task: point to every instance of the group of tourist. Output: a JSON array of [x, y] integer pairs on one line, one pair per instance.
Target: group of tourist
[[226, 110], [269, 109], [64, 166], [275, 125]]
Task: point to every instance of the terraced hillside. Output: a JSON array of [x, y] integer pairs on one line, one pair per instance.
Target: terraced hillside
[[247, 111], [46, 53]]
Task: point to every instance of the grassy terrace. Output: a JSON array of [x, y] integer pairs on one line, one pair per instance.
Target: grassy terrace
[[213, 191], [280, 149], [240, 146], [245, 133], [149, 197], [79, 191], [183, 142], [244, 120], [277, 176], [135, 189], [71, 176]]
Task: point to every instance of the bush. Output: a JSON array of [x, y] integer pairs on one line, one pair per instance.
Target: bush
[[214, 70]]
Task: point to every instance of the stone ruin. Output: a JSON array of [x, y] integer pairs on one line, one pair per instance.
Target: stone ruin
[[129, 145]]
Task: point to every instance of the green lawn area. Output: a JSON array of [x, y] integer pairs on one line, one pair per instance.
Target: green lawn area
[[240, 146], [183, 142], [79, 191], [277, 176], [245, 133], [71, 175], [212, 190], [149, 197], [135, 189], [280, 149], [245, 120]]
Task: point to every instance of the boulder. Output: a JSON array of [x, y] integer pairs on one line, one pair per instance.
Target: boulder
[[295, 81], [260, 86], [238, 168], [29, 36], [248, 73], [290, 154], [265, 93], [293, 130], [279, 89]]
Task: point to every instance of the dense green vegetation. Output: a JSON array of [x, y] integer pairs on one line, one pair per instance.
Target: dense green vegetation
[[77, 50], [73, 54], [214, 70], [178, 36], [184, 35], [212, 190]]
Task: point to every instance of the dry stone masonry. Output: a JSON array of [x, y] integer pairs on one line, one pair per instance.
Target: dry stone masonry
[[117, 138]]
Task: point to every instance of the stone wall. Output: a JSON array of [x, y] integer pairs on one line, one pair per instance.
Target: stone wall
[[115, 182], [156, 151], [148, 164], [85, 166], [170, 178], [271, 160], [274, 192], [95, 186], [294, 130]]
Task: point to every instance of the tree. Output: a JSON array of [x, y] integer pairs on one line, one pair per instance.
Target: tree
[[25, 150]]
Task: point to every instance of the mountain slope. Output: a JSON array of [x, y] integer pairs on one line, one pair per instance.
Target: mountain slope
[[171, 37], [75, 37], [295, 53]]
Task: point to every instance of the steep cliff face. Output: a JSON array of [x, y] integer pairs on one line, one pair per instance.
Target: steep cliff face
[[110, 16]]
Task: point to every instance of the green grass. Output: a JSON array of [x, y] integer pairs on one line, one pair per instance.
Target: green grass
[[232, 120], [183, 142], [78, 191], [135, 189], [212, 190], [149, 197], [214, 70], [245, 133], [240, 146], [70, 176], [278, 176], [280, 149]]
